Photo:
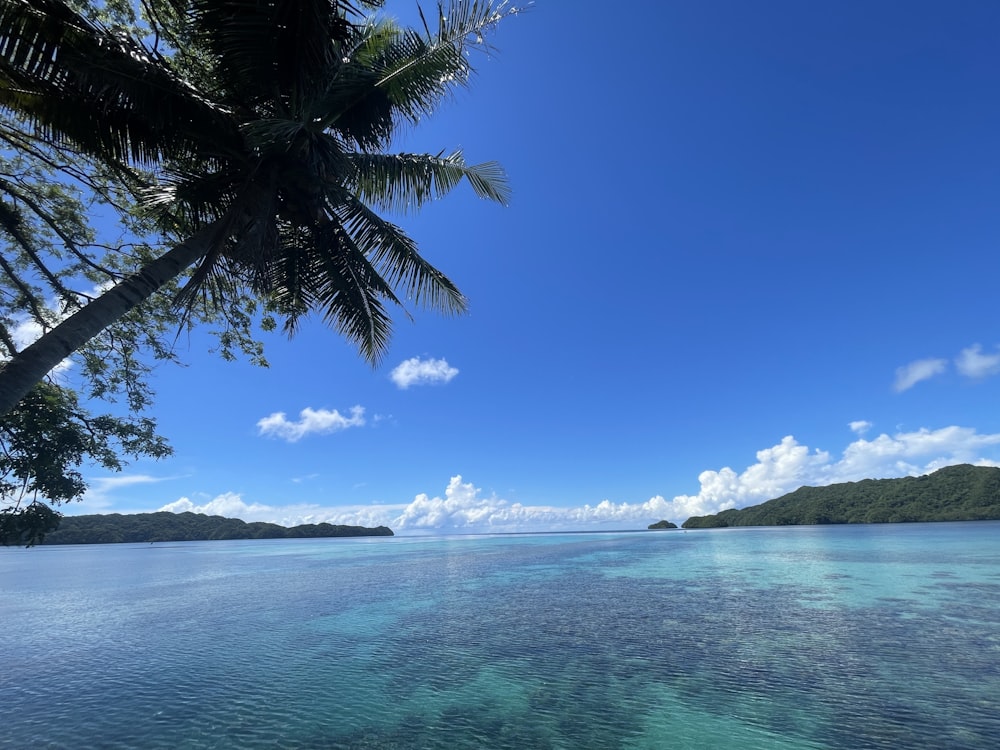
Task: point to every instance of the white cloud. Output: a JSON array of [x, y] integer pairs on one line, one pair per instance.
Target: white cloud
[[228, 504], [788, 466], [914, 453], [232, 505], [462, 509], [972, 363], [778, 470], [860, 426], [461, 506], [416, 371], [25, 332], [311, 421], [909, 375], [97, 496]]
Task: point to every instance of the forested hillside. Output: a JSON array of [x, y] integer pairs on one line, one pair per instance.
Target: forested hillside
[[187, 527], [954, 493]]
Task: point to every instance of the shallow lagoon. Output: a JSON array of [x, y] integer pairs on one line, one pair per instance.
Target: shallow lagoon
[[780, 638]]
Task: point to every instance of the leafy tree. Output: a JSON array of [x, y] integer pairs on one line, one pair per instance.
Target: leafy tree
[[43, 442], [256, 133]]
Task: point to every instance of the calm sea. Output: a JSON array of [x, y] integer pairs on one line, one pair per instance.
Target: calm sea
[[778, 639]]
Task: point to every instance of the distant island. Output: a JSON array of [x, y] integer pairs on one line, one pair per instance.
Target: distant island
[[662, 525], [188, 527], [954, 493]]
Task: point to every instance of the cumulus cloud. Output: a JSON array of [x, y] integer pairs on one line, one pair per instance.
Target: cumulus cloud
[[229, 504], [972, 363], [311, 422], [915, 453], [909, 375], [232, 505], [464, 508], [778, 470], [416, 371], [787, 466], [860, 426]]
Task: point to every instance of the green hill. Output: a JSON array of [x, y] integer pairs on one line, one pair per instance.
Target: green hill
[[662, 525], [187, 527], [954, 493]]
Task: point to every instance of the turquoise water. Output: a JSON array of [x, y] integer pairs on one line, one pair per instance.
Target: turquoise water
[[784, 638]]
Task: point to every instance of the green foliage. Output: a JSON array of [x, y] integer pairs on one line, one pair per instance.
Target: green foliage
[[662, 525], [43, 443], [954, 493], [27, 525], [188, 527]]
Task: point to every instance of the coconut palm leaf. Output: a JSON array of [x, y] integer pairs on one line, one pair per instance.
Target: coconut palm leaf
[[79, 83], [390, 72], [418, 71], [395, 256], [402, 183], [248, 239], [330, 274], [270, 55]]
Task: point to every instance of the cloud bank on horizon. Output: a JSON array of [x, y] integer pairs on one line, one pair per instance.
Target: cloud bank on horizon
[[780, 469]]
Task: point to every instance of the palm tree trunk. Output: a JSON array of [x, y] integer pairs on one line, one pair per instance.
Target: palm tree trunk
[[29, 366]]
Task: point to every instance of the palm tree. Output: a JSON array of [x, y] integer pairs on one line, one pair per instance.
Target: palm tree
[[267, 125]]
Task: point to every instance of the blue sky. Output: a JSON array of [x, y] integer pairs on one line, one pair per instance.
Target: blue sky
[[752, 246]]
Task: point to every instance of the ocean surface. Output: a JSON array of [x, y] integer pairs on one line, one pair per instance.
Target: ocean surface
[[837, 637]]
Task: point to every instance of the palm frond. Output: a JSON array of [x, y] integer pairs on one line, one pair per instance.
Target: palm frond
[[270, 135], [353, 106], [276, 55], [328, 273], [247, 240], [79, 83], [396, 258], [351, 294], [390, 72], [402, 183], [417, 71], [183, 198]]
